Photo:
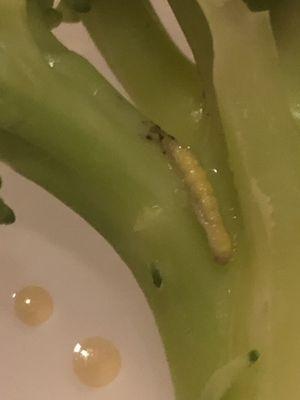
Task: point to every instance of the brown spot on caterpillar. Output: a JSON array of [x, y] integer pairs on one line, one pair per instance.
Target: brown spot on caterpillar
[[204, 202]]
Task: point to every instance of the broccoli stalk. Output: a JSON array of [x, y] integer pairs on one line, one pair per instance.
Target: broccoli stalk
[[65, 128], [284, 19], [160, 80], [165, 85], [263, 145]]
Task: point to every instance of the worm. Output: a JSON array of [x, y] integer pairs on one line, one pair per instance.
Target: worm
[[202, 195]]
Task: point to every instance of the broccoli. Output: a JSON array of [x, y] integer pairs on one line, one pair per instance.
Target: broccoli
[[202, 170]]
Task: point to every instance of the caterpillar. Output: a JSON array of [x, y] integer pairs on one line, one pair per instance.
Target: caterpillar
[[202, 195]]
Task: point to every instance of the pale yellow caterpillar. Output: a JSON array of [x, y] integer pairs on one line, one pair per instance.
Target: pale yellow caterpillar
[[202, 194]]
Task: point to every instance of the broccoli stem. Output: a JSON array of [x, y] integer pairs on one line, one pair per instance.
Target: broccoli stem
[[165, 86], [195, 27], [185, 289], [158, 78], [68, 13], [264, 152], [286, 28], [90, 151]]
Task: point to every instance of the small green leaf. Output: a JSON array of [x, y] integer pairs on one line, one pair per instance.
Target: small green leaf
[[253, 356], [156, 276], [7, 216]]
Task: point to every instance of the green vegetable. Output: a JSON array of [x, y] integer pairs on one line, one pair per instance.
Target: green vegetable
[[259, 5], [64, 127], [7, 215], [68, 13], [284, 19], [80, 6]]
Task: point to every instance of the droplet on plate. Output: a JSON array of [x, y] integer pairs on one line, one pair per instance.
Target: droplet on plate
[[96, 361], [33, 305]]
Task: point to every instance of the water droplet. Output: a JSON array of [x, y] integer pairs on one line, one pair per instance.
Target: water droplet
[[197, 115], [33, 305], [96, 361], [51, 61]]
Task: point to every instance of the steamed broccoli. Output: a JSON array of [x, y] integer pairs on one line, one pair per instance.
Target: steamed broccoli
[[207, 156]]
